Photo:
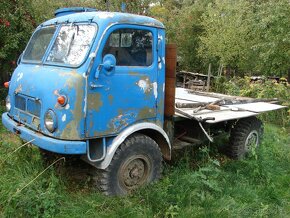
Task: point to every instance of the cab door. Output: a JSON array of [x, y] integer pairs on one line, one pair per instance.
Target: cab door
[[126, 94]]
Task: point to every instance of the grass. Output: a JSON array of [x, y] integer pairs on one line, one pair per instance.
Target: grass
[[202, 183]]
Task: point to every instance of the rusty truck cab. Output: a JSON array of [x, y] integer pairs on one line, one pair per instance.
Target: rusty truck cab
[[86, 81]]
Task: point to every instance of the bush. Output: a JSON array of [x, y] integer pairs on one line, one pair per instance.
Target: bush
[[244, 87], [3, 94], [16, 25]]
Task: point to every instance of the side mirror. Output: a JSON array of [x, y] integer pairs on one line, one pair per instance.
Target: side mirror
[[108, 65]]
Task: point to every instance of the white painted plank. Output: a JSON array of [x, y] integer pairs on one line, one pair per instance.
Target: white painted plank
[[257, 107], [222, 115]]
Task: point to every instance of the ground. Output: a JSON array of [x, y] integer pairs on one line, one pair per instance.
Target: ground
[[200, 183]]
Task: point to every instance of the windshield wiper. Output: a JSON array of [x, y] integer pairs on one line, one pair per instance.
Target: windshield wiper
[[72, 39], [70, 43]]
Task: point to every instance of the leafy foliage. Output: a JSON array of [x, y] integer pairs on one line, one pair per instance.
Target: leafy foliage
[[248, 36], [228, 33], [183, 22], [16, 25], [269, 89], [251, 36], [274, 38]]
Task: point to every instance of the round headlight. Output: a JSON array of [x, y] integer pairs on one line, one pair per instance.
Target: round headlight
[[50, 121], [8, 104]]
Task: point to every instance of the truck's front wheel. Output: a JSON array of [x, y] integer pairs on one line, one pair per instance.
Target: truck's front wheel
[[137, 162]]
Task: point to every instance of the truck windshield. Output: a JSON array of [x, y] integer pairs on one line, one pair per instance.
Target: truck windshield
[[38, 44], [69, 48], [72, 44]]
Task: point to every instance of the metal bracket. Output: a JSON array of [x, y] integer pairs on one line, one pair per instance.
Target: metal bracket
[[104, 152]]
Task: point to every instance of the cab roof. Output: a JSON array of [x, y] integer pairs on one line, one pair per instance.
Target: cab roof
[[105, 18]]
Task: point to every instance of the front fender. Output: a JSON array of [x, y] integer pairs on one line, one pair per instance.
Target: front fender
[[111, 149]]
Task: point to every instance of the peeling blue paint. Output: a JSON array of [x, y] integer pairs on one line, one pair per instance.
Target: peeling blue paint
[[128, 95]]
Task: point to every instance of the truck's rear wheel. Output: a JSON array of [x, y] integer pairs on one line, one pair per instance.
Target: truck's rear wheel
[[245, 137], [137, 162]]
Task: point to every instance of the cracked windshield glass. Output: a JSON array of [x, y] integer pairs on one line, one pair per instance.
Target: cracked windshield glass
[[72, 44]]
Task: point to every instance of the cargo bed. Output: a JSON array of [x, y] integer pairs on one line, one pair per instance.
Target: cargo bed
[[213, 107]]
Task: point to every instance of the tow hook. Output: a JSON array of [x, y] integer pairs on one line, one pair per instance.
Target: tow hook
[[17, 131]]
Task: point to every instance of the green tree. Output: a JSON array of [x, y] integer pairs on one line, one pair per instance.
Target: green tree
[[16, 25], [249, 36], [137, 6], [228, 36], [272, 23], [182, 20], [44, 9]]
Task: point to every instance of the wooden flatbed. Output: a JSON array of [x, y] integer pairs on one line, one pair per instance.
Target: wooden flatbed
[[213, 107]]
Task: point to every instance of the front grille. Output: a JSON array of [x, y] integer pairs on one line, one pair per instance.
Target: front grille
[[28, 104], [33, 107], [20, 102]]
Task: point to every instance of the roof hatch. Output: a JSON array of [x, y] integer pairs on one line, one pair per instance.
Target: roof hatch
[[66, 11]]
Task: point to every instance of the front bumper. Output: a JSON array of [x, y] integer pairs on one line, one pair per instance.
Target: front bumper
[[42, 141]]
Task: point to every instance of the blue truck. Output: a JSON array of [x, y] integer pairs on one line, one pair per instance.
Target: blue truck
[[95, 84]]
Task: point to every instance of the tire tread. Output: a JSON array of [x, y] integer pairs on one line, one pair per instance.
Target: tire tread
[[104, 182], [239, 133]]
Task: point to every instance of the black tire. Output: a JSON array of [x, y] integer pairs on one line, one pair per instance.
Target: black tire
[[245, 137], [137, 162]]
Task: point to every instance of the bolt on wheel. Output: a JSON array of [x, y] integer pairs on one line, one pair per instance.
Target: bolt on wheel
[[134, 172], [252, 141]]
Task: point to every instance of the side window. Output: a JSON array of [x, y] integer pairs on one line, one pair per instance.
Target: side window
[[131, 47]]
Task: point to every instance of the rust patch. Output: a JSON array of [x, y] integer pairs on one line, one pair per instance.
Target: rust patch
[[39, 134], [94, 101], [160, 105], [108, 131], [91, 123], [146, 112], [132, 73], [111, 98], [144, 84], [18, 89], [73, 76], [144, 77], [72, 129], [72, 73], [116, 124]]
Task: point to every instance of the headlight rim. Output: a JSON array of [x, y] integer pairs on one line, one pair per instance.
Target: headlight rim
[[54, 120], [8, 102]]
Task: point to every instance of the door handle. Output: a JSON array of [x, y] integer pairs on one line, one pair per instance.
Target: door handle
[[94, 85]]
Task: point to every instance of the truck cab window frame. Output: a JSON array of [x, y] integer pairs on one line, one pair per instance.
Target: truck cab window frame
[[77, 49], [38, 44], [130, 46], [72, 44]]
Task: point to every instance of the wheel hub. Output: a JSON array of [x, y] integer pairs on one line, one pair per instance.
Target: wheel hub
[[252, 140], [134, 172]]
